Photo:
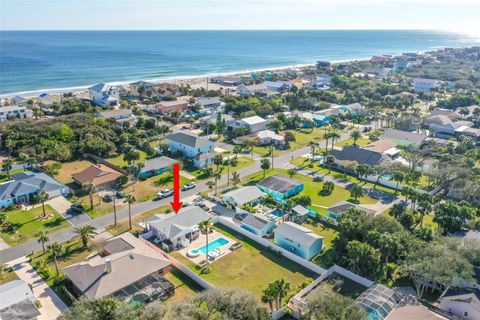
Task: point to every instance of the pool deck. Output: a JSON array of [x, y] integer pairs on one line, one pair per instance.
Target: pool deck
[[201, 242]]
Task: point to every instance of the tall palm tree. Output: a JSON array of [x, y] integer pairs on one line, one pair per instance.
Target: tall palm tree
[[217, 175], [329, 161], [355, 135], [56, 251], [130, 198], [205, 227], [42, 238], [114, 199], [398, 177], [313, 145], [89, 188], [42, 197], [235, 179], [7, 165], [334, 136], [283, 288], [269, 295], [227, 163], [210, 185], [85, 233], [265, 165]]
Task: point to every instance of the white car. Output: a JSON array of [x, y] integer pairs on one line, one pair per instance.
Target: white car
[[165, 193], [189, 186]]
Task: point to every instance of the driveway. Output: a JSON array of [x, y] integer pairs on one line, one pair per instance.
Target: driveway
[[61, 205], [51, 305]]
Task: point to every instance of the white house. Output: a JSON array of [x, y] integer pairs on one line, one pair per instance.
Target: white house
[[178, 230], [14, 112], [249, 195], [424, 85], [199, 149], [104, 95], [269, 137], [251, 90], [17, 301], [279, 86]]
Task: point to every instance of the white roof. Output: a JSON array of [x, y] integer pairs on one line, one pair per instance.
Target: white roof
[[244, 195], [297, 233], [269, 134], [253, 120], [13, 292]]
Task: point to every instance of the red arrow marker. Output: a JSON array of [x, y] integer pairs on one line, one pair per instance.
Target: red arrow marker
[[176, 203]]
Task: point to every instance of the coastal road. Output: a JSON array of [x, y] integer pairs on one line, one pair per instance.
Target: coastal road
[[63, 235]]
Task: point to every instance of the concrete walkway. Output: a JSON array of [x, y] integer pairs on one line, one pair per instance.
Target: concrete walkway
[[51, 305]]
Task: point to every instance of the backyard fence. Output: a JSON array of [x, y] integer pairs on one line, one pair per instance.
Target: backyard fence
[[96, 159], [264, 242], [180, 266]]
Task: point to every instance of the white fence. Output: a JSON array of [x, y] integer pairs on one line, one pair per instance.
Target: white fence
[[264, 242], [180, 266]]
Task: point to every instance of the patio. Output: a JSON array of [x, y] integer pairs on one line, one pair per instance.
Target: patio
[[214, 255]]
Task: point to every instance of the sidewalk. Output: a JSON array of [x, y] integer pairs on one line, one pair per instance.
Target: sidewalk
[[51, 305]]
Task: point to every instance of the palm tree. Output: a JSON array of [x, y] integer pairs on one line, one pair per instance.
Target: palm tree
[[269, 295], [334, 136], [235, 179], [205, 227], [356, 192], [85, 233], [265, 165], [7, 165], [23, 157], [329, 161], [217, 175], [355, 135], [42, 238], [217, 160], [398, 177], [227, 163], [89, 188], [114, 198], [56, 251], [130, 198], [42, 197], [313, 145], [236, 150], [31, 161], [282, 288]]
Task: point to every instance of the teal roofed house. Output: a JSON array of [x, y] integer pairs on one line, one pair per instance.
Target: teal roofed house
[[280, 187]]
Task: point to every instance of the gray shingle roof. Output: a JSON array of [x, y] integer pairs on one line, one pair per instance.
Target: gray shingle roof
[[244, 195], [412, 137], [279, 183], [256, 221], [186, 218], [188, 139], [158, 163], [26, 183], [296, 233], [360, 155], [300, 210]]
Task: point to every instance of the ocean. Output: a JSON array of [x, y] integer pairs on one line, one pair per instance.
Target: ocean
[[43, 60]]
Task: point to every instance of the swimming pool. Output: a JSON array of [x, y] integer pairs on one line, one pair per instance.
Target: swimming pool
[[217, 243]]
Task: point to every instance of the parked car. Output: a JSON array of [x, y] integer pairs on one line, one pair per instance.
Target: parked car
[[189, 186], [241, 216], [77, 207], [107, 198], [120, 194], [165, 193]]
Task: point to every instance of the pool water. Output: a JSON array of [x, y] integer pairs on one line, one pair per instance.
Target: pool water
[[217, 243]]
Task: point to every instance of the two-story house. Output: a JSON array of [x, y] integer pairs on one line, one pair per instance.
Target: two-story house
[[191, 146], [14, 112], [104, 95], [299, 240]]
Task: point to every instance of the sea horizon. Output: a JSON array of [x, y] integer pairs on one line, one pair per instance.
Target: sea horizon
[[76, 59]]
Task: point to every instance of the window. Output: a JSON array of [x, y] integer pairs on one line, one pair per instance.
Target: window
[[465, 314]]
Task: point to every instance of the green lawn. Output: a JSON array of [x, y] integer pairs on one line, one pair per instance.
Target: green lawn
[[311, 189], [304, 162], [243, 162], [184, 286], [118, 160], [362, 142], [7, 274], [252, 267], [26, 224], [302, 138], [4, 177]]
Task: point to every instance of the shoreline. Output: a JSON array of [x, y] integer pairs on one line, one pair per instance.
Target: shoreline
[[194, 80]]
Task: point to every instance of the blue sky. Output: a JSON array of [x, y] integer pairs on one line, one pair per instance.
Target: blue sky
[[454, 15]]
